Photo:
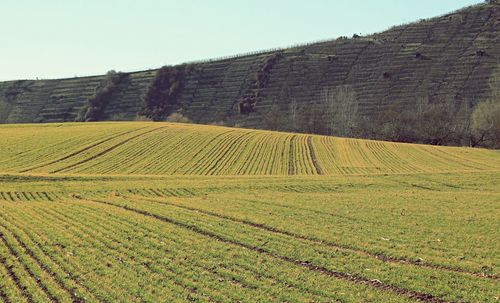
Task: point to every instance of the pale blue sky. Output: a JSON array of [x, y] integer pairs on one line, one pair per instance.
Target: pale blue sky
[[50, 39]]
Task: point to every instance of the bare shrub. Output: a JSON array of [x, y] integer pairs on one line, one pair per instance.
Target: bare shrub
[[423, 122], [178, 117]]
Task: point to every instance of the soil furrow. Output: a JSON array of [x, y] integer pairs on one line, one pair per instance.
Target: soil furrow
[[319, 171], [89, 230], [47, 253]]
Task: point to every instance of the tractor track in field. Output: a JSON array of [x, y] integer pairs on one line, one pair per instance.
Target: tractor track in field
[[291, 165], [91, 211], [107, 150], [90, 230], [75, 153], [314, 160], [307, 155], [423, 297], [381, 257]]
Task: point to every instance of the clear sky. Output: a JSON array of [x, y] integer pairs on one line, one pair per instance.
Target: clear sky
[[65, 38]]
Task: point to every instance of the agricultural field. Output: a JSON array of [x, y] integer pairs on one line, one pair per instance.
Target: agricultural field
[[147, 148], [162, 212]]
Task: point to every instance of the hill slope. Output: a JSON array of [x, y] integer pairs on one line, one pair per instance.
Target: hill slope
[[448, 59], [178, 149]]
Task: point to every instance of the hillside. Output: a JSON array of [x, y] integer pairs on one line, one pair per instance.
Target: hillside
[[449, 59], [147, 148]]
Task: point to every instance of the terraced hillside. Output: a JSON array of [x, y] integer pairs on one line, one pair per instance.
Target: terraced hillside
[[448, 59], [149, 148], [162, 212]]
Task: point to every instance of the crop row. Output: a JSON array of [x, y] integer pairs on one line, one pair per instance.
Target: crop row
[[38, 149], [24, 196], [387, 238], [403, 277], [95, 252], [179, 149], [384, 231]]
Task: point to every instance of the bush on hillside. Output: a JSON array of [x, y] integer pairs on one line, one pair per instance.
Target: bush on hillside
[[162, 94], [95, 106]]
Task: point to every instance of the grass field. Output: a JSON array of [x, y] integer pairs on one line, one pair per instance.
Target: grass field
[[158, 212]]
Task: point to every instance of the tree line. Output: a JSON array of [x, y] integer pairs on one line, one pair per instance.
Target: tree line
[[439, 123]]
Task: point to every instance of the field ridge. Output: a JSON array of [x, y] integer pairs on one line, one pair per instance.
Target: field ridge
[[146, 148]]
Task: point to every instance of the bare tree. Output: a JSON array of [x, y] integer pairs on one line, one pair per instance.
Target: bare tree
[[328, 98], [423, 122], [485, 125], [341, 110], [293, 108], [463, 124], [421, 105], [485, 119], [272, 118], [311, 118]]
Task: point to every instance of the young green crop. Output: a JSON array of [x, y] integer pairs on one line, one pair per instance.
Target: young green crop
[[148, 212], [167, 149]]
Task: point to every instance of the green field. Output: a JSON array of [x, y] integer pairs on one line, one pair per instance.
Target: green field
[[159, 212]]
